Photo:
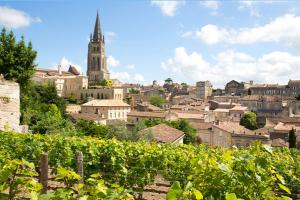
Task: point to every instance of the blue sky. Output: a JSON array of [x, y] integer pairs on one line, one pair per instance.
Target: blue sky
[[152, 40]]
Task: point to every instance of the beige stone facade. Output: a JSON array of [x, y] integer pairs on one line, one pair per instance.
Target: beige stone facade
[[67, 83], [107, 109], [203, 89], [10, 106]]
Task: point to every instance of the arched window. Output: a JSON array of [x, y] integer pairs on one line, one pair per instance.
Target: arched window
[[98, 60]]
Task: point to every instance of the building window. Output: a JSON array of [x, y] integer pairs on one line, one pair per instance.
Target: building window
[[98, 62], [110, 114]]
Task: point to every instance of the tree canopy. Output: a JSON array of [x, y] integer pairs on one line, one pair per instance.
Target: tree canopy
[[292, 138], [157, 101], [17, 59], [249, 121]]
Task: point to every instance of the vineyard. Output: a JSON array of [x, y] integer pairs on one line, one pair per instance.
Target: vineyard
[[117, 170]]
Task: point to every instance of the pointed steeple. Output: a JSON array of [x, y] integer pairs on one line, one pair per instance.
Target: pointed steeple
[[97, 30]]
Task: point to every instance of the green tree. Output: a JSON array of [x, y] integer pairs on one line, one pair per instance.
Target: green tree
[[17, 60], [105, 83], [189, 131], [182, 125], [50, 122], [157, 101], [91, 128], [133, 91], [168, 81], [249, 121], [292, 138]]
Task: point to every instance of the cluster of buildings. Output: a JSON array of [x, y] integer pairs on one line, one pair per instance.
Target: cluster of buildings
[[214, 113]]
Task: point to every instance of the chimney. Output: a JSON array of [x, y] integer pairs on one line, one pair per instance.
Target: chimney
[[59, 70]]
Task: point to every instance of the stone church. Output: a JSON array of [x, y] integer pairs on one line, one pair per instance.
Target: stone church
[[96, 60]]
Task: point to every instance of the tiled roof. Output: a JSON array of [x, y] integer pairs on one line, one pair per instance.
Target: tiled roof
[[239, 108], [86, 116], [106, 103], [234, 127], [202, 125], [146, 114], [165, 134], [283, 127]]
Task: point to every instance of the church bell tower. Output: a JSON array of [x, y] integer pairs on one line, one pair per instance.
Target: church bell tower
[[96, 59]]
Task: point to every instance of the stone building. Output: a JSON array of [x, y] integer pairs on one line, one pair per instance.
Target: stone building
[[237, 88], [228, 134], [96, 59], [203, 89], [163, 133], [10, 106], [109, 110], [67, 83]]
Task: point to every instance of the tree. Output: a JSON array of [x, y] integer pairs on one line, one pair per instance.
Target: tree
[[168, 81], [157, 101], [133, 91], [50, 122], [182, 125], [249, 121], [292, 138], [91, 128], [189, 131], [105, 83], [16, 59]]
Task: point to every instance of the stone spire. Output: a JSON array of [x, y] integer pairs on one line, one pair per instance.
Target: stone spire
[[97, 30]]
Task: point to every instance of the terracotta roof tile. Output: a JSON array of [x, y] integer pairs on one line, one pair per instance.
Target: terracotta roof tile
[[165, 134]]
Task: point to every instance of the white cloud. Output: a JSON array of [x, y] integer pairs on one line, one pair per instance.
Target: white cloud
[[110, 36], [12, 18], [65, 64], [125, 77], [284, 29], [112, 62], [214, 5], [131, 66], [139, 78], [168, 8], [269, 68], [211, 34], [122, 76]]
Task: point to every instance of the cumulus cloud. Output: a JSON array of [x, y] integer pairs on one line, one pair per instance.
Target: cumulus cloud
[[284, 29], [168, 8], [211, 34], [112, 62], [12, 18], [270, 68], [126, 77]]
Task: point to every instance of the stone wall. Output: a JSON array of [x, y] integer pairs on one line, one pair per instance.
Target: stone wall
[[10, 106]]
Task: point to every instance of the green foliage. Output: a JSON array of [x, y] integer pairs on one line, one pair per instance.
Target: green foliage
[[105, 83], [182, 125], [292, 138], [16, 175], [249, 121], [168, 81], [72, 99], [259, 172], [157, 101], [133, 91], [91, 128], [16, 59], [42, 109]]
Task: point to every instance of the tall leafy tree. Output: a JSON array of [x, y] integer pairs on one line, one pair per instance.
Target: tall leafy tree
[[249, 121], [292, 138], [17, 59], [157, 101]]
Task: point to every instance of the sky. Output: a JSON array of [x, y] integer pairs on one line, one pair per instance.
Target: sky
[[187, 40]]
